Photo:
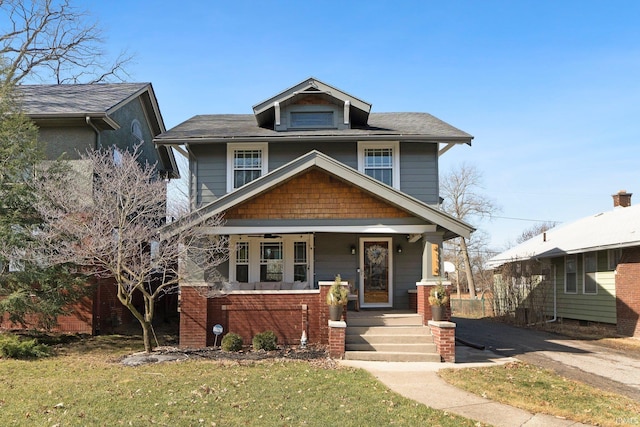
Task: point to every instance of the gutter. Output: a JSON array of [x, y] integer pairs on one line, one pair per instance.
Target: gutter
[[318, 138]]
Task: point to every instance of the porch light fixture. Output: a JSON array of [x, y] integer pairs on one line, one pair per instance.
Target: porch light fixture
[[399, 249], [353, 250]]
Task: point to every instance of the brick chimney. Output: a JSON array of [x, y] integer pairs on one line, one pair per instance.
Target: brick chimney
[[622, 199]]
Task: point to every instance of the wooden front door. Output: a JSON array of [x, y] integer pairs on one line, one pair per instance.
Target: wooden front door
[[376, 275]]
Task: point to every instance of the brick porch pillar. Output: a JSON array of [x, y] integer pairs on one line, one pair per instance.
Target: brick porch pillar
[[337, 334], [444, 337], [424, 308], [193, 318], [324, 309]]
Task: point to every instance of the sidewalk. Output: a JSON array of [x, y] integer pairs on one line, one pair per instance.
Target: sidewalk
[[419, 381]]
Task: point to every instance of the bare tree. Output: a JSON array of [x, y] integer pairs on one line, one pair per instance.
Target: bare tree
[[535, 230], [110, 225], [53, 40], [460, 189]]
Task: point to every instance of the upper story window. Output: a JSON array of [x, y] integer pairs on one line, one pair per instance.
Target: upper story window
[[245, 162], [136, 130], [380, 161], [312, 119]]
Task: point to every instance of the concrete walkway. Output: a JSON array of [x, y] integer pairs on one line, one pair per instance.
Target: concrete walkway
[[419, 381]]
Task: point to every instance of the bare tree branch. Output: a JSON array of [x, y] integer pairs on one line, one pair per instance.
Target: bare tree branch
[[53, 40], [460, 189], [106, 215]]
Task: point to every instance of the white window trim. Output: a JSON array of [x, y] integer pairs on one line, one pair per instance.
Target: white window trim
[[231, 147], [565, 275], [584, 274], [288, 256], [395, 147]]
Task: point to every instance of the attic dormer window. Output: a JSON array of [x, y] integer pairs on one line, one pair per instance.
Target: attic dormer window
[[312, 119]]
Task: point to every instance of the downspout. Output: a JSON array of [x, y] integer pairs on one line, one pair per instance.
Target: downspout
[[95, 129]]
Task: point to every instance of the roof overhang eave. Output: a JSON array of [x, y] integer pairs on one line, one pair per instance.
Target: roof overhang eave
[[316, 138]]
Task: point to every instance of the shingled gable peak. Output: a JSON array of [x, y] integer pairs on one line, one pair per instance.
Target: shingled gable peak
[[312, 104]]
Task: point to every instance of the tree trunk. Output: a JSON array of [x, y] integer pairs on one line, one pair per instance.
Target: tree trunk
[[467, 266], [147, 333]]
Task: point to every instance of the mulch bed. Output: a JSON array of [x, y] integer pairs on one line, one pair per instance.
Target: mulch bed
[[316, 355]]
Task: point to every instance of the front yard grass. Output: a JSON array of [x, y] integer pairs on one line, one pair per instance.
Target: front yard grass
[[85, 385], [541, 391]]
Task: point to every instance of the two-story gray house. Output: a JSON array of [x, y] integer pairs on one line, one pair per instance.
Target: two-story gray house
[[311, 185], [72, 119]]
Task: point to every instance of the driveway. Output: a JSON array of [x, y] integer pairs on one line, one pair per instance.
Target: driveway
[[608, 369]]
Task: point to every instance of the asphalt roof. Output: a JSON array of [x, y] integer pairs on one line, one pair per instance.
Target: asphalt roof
[[69, 99], [614, 229], [235, 126]]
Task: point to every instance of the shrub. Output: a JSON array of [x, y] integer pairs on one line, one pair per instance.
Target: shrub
[[232, 342], [14, 348], [265, 341]]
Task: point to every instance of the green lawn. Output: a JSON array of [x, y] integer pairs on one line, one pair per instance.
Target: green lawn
[[84, 385]]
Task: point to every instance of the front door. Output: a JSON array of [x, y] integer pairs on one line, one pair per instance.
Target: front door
[[376, 284]]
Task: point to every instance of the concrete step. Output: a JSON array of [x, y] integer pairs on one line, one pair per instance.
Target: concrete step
[[392, 348], [381, 356], [387, 330], [407, 319], [389, 339]]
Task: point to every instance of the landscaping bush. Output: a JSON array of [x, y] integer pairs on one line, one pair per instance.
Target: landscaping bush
[[14, 348], [265, 341], [232, 342]]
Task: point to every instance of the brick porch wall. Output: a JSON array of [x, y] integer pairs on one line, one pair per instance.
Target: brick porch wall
[[247, 313], [628, 293]]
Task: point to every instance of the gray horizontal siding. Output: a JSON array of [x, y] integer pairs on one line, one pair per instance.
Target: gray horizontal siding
[[333, 256], [209, 173], [282, 153], [418, 166], [419, 171]]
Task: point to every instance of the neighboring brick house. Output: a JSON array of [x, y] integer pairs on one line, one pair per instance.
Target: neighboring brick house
[[72, 119], [311, 185], [592, 267]]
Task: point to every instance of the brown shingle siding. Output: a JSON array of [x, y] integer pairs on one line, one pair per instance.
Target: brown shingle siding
[[315, 195]]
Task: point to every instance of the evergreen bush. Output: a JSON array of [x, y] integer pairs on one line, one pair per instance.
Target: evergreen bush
[[13, 347], [232, 342], [265, 341]]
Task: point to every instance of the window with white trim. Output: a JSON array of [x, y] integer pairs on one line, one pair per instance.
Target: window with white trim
[[245, 162], [287, 258], [381, 161], [300, 265], [242, 262], [571, 274], [271, 262], [590, 283]]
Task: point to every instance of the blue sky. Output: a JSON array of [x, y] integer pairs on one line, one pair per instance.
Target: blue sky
[[549, 89]]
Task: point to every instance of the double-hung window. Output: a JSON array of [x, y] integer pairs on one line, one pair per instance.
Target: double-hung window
[[245, 162], [380, 161], [300, 264], [590, 271], [242, 262], [571, 274]]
